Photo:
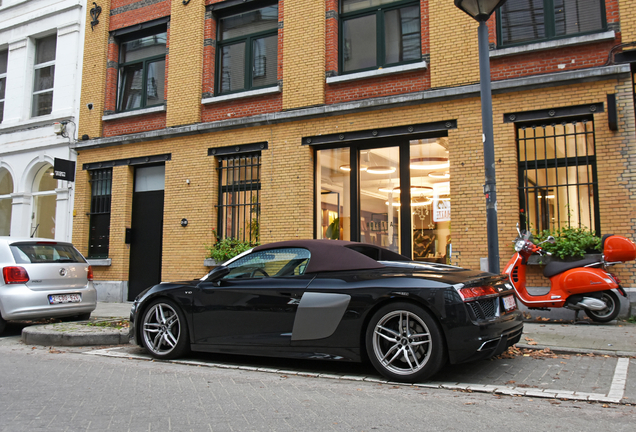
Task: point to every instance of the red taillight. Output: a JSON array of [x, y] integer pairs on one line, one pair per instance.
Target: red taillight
[[89, 273], [14, 275], [618, 281], [473, 292]]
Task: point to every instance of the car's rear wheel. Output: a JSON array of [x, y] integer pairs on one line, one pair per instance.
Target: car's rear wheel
[[164, 331], [404, 343], [610, 312], [3, 325]]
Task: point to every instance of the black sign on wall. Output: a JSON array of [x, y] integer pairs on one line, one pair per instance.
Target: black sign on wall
[[64, 169]]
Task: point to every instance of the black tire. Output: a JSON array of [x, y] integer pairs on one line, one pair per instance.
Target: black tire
[[398, 357], [3, 325], [610, 312], [164, 330]]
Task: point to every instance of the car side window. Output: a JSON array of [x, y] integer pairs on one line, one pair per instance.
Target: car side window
[[283, 262]]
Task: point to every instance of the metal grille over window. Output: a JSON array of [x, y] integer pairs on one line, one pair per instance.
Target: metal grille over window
[[557, 176], [99, 236], [239, 197]]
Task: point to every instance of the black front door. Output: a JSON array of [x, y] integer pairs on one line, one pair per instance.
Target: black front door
[[146, 241]]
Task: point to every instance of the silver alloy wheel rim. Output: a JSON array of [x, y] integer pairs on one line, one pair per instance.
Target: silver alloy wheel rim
[[609, 309], [402, 342], [161, 329]]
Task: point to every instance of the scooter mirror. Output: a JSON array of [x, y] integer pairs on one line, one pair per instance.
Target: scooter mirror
[[518, 230], [551, 239]]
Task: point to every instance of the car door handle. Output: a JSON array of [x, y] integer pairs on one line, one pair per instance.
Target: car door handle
[[294, 295]]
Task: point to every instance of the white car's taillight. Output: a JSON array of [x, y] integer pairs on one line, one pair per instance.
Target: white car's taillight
[[15, 275], [89, 273]]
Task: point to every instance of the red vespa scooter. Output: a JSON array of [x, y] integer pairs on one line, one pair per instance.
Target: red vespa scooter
[[585, 284]]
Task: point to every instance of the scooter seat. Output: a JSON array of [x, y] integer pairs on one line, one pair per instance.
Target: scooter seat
[[555, 267]]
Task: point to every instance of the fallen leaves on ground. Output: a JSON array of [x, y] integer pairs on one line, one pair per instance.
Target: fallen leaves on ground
[[513, 352]]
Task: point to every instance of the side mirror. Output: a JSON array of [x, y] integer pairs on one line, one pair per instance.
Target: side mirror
[[217, 273], [518, 230], [551, 239]]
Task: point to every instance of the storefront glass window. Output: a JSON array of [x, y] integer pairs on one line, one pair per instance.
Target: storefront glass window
[[333, 179], [380, 197], [430, 200]]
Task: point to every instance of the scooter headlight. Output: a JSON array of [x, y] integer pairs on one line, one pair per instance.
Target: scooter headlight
[[519, 245]]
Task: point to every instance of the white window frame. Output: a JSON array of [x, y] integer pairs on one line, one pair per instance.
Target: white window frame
[[42, 66]]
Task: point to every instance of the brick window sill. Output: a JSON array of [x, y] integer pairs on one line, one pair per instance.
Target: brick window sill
[[99, 262], [160, 108], [559, 43], [377, 72], [241, 95]]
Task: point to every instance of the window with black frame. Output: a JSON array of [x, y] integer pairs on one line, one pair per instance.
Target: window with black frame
[[99, 234], [247, 49], [525, 21], [378, 33], [557, 176], [239, 196], [142, 69]]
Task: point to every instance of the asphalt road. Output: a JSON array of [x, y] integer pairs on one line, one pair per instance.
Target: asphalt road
[[66, 389]]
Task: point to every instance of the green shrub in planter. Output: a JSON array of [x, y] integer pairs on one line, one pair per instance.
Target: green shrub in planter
[[227, 248], [571, 243]]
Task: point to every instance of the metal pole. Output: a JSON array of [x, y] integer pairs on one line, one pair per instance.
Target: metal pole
[[490, 190]]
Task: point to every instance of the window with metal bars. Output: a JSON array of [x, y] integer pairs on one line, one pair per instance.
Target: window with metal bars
[[557, 175], [99, 236], [239, 196]]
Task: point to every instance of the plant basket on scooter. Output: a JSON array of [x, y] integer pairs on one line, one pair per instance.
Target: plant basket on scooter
[[584, 284]]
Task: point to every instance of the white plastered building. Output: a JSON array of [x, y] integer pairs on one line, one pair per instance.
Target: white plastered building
[[41, 43]]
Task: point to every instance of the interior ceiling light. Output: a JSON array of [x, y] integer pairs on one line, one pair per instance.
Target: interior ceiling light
[[347, 168], [415, 190], [439, 174], [381, 169], [413, 203], [429, 163]]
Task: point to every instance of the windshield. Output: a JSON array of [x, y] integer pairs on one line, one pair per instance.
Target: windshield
[[45, 252]]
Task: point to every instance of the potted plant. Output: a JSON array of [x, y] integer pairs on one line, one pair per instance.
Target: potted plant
[[571, 244], [229, 247]]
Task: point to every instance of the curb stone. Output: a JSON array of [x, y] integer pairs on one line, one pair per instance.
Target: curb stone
[[77, 333]]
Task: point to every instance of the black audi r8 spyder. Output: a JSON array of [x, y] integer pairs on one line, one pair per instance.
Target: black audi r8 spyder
[[331, 299]]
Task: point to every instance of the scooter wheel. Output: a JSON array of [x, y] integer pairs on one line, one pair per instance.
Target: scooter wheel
[[610, 312]]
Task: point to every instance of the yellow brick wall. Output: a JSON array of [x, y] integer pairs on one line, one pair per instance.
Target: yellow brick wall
[[454, 54], [628, 21], [94, 73], [185, 63], [303, 54], [287, 177]]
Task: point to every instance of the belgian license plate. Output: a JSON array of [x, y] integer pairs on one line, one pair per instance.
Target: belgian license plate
[[509, 303], [65, 298]]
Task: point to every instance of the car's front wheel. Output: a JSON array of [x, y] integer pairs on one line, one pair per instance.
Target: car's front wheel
[[164, 331], [404, 343]]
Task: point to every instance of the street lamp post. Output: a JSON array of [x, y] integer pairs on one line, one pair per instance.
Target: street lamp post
[[481, 10]]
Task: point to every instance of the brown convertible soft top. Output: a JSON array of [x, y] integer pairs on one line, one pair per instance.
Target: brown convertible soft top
[[338, 255]]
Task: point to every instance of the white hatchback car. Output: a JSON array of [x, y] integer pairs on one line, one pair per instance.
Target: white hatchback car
[[43, 278]]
